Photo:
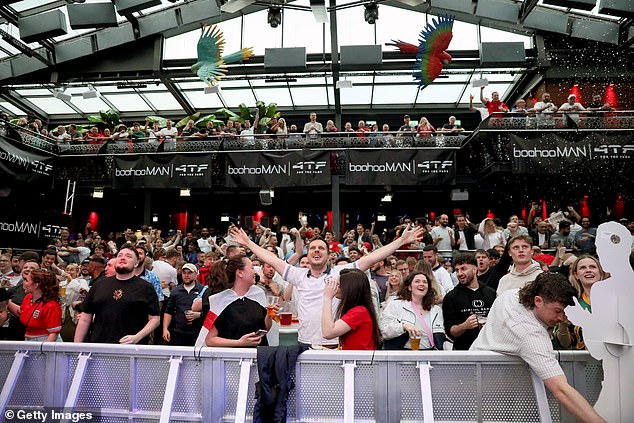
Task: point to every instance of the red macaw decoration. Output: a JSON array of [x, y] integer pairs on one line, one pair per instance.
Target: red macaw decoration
[[430, 53]]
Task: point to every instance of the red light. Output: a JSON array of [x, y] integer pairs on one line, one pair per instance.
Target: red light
[[577, 92], [611, 97]]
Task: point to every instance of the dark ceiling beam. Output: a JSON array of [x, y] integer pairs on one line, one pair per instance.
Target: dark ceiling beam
[[626, 33], [178, 95], [526, 8], [16, 100], [12, 17]]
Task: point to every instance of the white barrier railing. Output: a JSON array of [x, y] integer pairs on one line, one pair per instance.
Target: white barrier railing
[[156, 383]]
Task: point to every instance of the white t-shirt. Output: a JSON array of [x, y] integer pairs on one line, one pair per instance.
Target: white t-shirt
[[540, 105], [567, 107], [310, 300], [204, 245], [444, 279], [442, 232], [167, 133], [165, 272]]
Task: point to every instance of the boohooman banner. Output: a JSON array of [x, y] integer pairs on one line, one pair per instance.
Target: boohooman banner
[[400, 167], [270, 170]]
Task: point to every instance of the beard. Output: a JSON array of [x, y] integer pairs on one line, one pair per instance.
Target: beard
[[123, 270]]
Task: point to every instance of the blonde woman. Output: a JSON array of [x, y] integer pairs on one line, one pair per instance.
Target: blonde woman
[[425, 129], [72, 292], [583, 273], [490, 233], [282, 129], [394, 285]]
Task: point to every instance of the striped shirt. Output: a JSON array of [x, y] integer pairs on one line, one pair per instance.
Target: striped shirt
[[514, 329]]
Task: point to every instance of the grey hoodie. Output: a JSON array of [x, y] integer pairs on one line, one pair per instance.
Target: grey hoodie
[[515, 279]]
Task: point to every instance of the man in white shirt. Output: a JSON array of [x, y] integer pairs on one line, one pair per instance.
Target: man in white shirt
[[169, 131], [430, 253], [313, 128], [309, 283], [517, 324], [206, 242], [443, 236], [572, 106], [165, 268]]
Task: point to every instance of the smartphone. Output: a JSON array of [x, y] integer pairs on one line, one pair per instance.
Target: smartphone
[[261, 332]]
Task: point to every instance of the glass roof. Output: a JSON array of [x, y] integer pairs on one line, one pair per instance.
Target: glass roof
[[371, 88]]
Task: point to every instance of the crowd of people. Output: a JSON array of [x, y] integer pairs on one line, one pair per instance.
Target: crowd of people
[[425, 284], [277, 127]]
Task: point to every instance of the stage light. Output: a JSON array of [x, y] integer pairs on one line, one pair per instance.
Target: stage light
[[61, 95], [380, 217], [97, 193], [371, 13], [224, 218], [90, 93], [275, 16], [185, 192], [387, 198]]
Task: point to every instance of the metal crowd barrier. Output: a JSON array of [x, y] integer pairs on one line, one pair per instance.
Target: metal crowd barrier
[[335, 140], [579, 120], [123, 383]]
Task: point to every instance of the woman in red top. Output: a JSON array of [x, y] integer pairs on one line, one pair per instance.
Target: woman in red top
[[40, 312], [357, 325], [424, 128]]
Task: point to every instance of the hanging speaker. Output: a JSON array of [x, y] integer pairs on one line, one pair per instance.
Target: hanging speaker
[[265, 197]]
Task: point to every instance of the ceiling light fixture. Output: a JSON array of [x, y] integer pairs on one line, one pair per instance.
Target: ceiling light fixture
[[90, 93], [124, 85], [62, 95], [387, 198], [185, 192], [275, 16], [97, 193], [371, 13]]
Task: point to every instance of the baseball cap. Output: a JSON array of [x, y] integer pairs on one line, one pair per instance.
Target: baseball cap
[[190, 267], [572, 96], [406, 116]]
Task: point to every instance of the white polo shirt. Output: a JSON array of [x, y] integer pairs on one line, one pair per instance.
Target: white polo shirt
[[310, 296]]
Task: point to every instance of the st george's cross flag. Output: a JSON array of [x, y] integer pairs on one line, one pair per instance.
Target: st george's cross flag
[[218, 302]]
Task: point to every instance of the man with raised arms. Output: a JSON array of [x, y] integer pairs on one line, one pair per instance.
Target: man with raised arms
[[309, 283]]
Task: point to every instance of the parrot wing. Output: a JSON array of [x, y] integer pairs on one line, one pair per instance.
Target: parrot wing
[[434, 40], [238, 56], [210, 66], [404, 47]]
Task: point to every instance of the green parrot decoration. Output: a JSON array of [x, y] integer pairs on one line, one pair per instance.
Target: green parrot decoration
[[212, 65]]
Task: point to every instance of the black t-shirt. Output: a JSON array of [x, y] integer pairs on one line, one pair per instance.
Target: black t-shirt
[[120, 308], [241, 317], [459, 304]]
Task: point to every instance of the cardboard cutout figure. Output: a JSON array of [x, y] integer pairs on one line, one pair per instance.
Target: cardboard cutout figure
[[609, 329]]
